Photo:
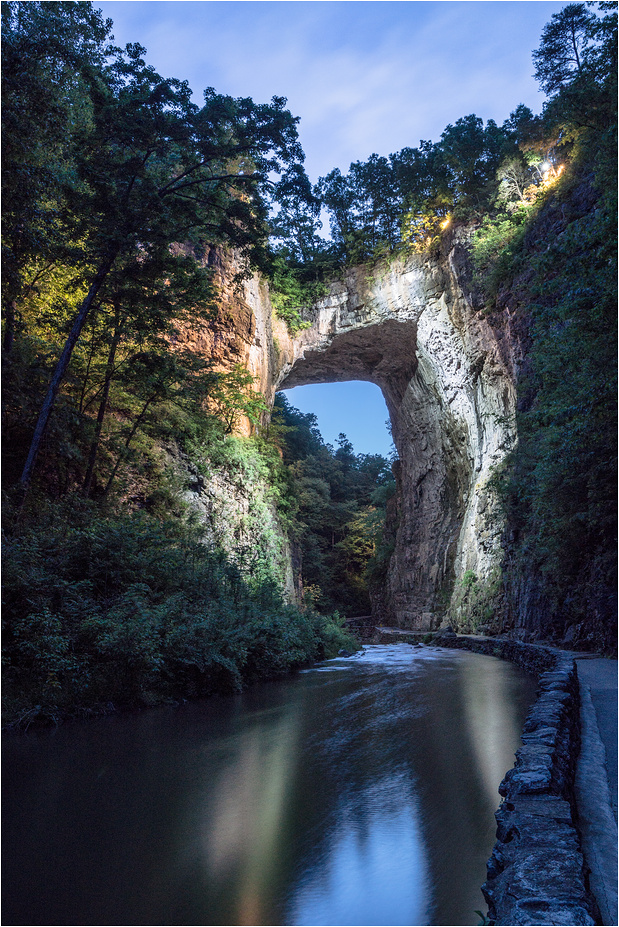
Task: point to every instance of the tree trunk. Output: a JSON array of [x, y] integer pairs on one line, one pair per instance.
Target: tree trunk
[[88, 364], [9, 328], [59, 372], [109, 372], [136, 425]]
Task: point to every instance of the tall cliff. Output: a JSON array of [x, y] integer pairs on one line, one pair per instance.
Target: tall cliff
[[409, 326]]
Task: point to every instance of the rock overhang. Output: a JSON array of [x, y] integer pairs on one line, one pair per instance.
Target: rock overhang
[[408, 326], [382, 352]]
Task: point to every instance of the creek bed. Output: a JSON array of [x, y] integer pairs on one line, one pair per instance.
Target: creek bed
[[361, 791]]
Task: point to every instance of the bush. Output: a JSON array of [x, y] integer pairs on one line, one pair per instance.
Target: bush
[[128, 610]]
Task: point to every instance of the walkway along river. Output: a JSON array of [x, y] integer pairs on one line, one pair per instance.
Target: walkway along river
[[360, 792]]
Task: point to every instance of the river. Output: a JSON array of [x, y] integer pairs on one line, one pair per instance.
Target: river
[[361, 791]]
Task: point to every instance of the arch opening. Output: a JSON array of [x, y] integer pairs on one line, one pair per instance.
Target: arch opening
[[356, 408], [409, 328]]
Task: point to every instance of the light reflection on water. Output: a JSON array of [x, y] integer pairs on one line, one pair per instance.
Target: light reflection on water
[[360, 792], [376, 840]]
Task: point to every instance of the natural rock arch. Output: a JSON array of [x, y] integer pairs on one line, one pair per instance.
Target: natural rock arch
[[409, 326]]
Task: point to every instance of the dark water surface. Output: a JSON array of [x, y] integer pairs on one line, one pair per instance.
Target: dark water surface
[[360, 792]]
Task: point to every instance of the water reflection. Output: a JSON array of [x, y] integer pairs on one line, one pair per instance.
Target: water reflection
[[243, 810], [360, 792], [493, 721], [375, 841]]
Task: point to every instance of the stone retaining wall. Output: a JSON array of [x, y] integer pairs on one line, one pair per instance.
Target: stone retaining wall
[[536, 874]]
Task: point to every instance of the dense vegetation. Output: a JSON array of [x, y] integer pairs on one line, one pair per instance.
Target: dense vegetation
[[117, 188], [558, 270], [127, 609], [340, 500]]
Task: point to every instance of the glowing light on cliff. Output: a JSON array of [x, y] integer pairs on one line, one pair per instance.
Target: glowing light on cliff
[[445, 222], [551, 173]]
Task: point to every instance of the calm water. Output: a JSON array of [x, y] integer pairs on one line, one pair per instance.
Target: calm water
[[360, 792]]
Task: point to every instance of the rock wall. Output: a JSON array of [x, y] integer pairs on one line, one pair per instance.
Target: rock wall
[[409, 326], [234, 504]]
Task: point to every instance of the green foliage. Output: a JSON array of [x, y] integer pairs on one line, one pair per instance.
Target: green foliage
[[384, 205], [292, 291], [131, 610], [154, 172], [477, 605], [420, 230], [302, 259], [339, 512], [232, 395], [557, 266], [50, 52], [495, 248], [562, 483], [565, 47]]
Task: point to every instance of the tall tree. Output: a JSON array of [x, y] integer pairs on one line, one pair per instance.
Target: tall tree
[[155, 169], [562, 54], [50, 54], [145, 301], [297, 224]]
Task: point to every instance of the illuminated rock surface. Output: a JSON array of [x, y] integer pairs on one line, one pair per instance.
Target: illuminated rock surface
[[408, 326]]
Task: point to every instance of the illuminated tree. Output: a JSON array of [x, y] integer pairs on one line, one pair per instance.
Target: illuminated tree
[[232, 395], [154, 169], [518, 177], [51, 53], [145, 300]]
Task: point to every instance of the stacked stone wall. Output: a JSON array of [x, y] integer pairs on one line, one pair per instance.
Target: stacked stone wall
[[537, 873]]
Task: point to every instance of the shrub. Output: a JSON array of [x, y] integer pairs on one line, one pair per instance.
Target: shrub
[[129, 610]]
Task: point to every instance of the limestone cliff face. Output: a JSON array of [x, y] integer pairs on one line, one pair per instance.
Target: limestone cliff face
[[237, 511], [409, 326]]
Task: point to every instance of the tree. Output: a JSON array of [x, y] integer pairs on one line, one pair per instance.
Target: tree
[[422, 181], [297, 222], [471, 154], [365, 207], [518, 177], [562, 54], [302, 258], [338, 517], [577, 64], [50, 53], [154, 169], [336, 192], [231, 395], [145, 301]]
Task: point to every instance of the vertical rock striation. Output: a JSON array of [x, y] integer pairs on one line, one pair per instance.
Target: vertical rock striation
[[409, 326]]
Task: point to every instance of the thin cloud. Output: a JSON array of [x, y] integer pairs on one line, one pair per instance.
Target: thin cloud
[[363, 77]]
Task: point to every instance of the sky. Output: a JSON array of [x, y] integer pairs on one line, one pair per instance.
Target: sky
[[363, 77]]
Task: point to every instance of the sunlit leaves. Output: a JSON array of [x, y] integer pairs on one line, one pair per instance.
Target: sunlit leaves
[[233, 395]]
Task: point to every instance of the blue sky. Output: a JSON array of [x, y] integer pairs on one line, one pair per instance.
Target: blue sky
[[363, 76]]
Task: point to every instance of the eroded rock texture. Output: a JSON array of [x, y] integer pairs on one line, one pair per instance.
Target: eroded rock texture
[[408, 326]]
